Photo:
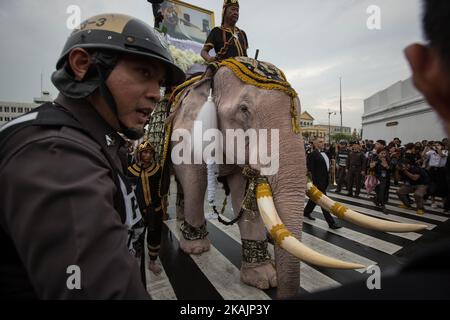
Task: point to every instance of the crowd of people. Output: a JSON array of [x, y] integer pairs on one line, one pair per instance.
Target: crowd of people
[[421, 168]]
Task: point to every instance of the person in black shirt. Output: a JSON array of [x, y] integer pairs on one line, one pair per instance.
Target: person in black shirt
[[381, 163], [318, 165], [227, 40], [146, 176], [66, 207]]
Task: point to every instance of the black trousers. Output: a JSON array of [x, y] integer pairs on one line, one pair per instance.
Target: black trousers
[[354, 177], [311, 205], [154, 228], [341, 177], [382, 190]]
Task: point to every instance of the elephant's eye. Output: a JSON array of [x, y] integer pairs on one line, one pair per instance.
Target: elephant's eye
[[243, 108]]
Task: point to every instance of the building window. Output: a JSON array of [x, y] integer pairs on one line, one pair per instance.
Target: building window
[[27, 109], [20, 110], [1, 118], [13, 109], [1, 108], [6, 109], [392, 124]]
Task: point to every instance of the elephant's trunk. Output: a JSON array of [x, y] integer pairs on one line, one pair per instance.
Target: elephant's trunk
[[288, 187]]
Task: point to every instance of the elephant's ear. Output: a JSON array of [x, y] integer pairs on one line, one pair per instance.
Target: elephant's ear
[[191, 101]]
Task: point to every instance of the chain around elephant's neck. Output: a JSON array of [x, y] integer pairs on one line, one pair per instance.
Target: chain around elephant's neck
[[249, 205]]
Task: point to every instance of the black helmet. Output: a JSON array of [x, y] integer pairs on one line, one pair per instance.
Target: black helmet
[[122, 33], [109, 35]]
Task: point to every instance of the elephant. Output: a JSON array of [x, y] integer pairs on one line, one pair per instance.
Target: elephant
[[250, 94]]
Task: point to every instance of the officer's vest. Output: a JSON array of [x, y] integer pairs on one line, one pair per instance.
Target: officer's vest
[[124, 200]]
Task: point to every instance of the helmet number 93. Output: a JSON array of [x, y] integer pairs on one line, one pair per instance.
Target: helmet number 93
[[99, 23]]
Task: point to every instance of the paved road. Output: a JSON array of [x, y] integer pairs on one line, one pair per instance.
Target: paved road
[[215, 274]]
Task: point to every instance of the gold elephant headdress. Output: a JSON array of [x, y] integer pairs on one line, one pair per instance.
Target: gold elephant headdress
[[258, 73], [263, 75]]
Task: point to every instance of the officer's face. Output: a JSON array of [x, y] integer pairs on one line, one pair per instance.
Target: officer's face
[[135, 85]]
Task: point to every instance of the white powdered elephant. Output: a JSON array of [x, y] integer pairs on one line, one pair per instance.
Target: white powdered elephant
[[249, 94]]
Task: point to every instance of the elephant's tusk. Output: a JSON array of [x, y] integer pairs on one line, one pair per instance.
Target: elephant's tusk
[[359, 219], [285, 239]]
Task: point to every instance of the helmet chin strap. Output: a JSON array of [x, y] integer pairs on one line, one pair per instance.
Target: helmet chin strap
[[103, 72]]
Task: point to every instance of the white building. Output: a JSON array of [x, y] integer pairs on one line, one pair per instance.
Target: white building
[[12, 110], [400, 111]]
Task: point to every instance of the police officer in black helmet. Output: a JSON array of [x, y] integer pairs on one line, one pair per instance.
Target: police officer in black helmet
[[68, 220], [115, 43]]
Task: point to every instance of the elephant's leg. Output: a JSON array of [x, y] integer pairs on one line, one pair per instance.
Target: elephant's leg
[[257, 268], [193, 182]]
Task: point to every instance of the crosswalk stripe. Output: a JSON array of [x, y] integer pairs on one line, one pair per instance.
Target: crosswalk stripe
[[362, 238], [313, 281], [329, 249], [176, 263], [406, 237], [224, 276], [158, 286], [393, 200], [406, 211], [371, 212], [428, 209]]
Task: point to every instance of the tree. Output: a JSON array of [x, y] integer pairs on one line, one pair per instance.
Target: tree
[[305, 135], [340, 136]]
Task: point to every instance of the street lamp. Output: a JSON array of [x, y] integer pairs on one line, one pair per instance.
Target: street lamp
[[340, 99], [329, 126]]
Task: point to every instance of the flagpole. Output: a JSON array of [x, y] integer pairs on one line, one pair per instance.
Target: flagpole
[[340, 99]]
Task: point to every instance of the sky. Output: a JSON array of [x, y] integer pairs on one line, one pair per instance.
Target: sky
[[313, 41]]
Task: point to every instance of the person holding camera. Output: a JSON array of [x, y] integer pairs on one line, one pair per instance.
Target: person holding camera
[[416, 180], [395, 155]]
